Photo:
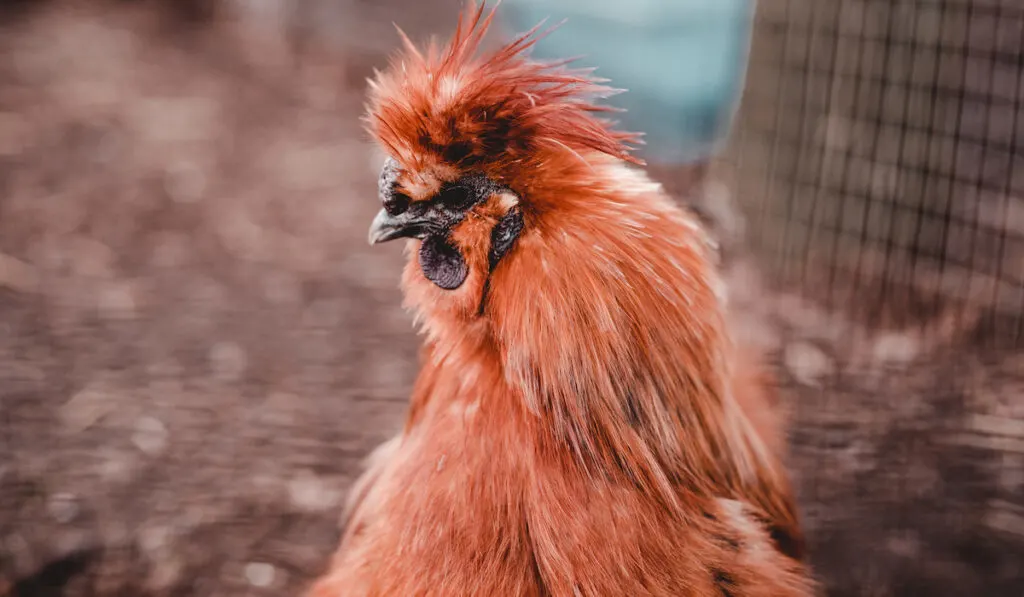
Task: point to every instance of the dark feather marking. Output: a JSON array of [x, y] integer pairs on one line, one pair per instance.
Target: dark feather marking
[[458, 152], [483, 296], [785, 542], [730, 542], [634, 413], [724, 582]]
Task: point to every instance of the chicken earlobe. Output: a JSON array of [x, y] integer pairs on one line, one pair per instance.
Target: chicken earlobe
[[504, 235]]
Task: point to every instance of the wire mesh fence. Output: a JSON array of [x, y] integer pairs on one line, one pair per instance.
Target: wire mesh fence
[[883, 141]]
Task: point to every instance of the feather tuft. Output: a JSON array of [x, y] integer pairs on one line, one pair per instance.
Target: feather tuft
[[499, 112]]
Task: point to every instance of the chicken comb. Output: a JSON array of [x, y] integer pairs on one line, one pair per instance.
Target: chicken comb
[[466, 110]]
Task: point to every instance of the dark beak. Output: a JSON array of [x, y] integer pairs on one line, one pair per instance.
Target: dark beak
[[387, 227]]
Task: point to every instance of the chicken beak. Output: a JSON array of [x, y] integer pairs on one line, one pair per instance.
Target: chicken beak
[[387, 227], [383, 228]]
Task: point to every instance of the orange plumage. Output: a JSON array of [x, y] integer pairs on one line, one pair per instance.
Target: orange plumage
[[576, 428]]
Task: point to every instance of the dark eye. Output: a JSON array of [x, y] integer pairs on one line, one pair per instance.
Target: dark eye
[[397, 203], [456, 198]]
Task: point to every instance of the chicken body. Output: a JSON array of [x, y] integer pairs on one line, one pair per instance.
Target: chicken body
[[576, 428]]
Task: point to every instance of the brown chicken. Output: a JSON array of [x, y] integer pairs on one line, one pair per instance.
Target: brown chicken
[[575, 429]]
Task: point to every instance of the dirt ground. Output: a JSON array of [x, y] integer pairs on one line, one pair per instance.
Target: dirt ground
[[197, 346]]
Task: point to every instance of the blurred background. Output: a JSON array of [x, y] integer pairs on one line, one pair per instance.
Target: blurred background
[[197, 347]]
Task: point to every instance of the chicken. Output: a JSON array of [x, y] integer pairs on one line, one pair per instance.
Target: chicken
[[573, 430]]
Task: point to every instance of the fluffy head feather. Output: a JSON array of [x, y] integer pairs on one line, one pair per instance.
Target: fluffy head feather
[[501, 114]]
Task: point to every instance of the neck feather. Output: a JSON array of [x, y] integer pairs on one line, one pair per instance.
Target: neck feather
[[605, 329]]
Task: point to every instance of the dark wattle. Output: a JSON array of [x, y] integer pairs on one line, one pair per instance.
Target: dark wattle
[[442, 263]]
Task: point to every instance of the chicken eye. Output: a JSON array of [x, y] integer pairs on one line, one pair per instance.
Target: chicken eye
[[397, 204], [456, 198]]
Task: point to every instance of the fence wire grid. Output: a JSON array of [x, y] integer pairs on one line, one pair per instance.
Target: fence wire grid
[[882, 140]]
